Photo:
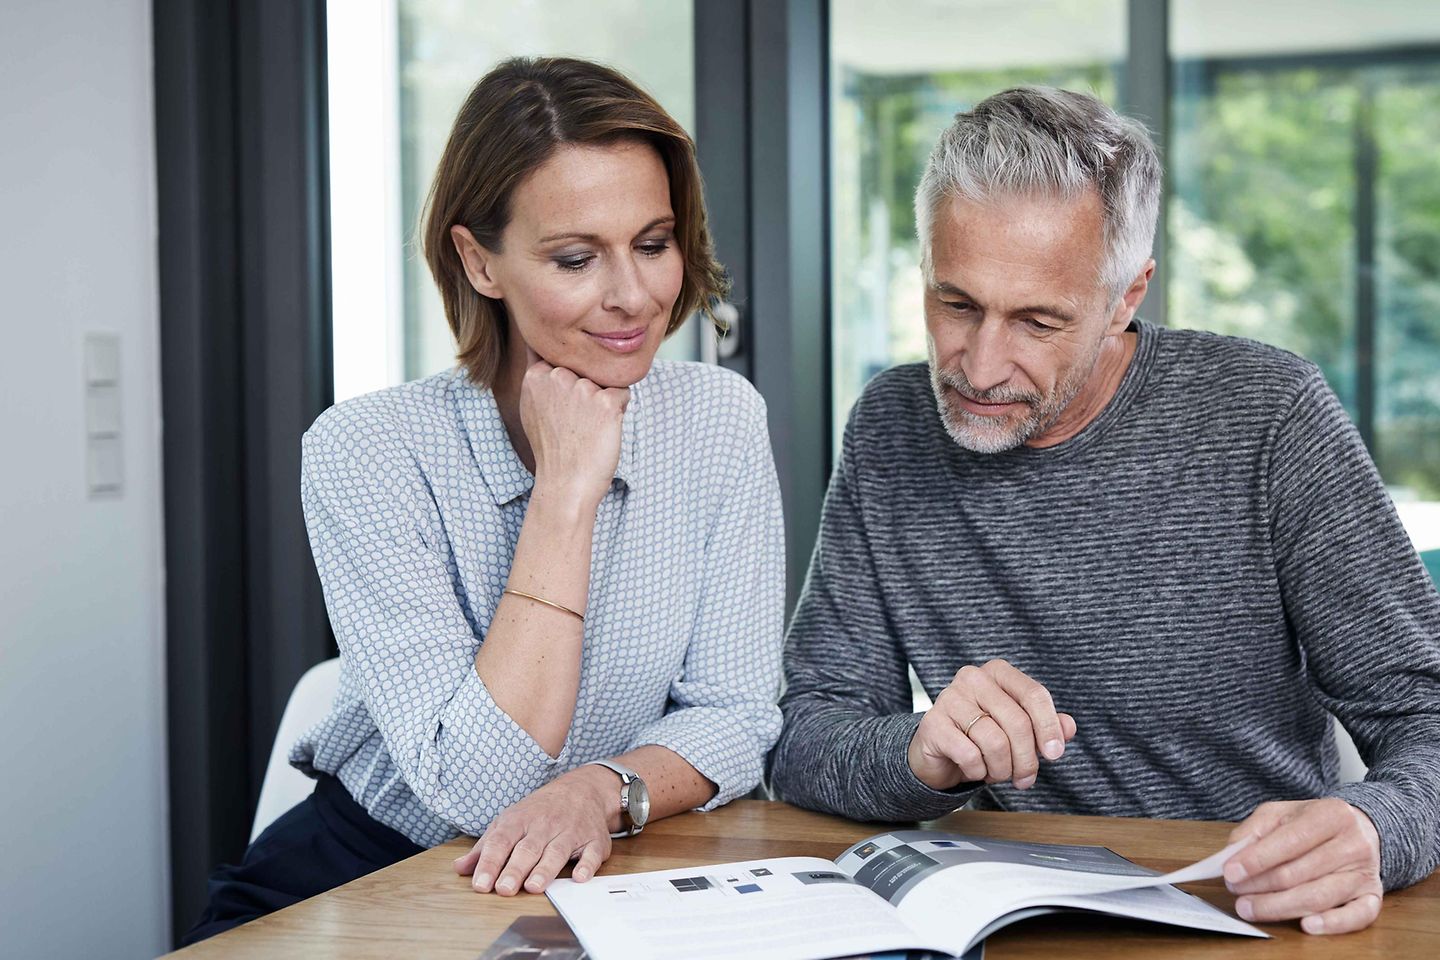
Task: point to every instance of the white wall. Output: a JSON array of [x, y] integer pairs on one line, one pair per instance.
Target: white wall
[[83, 839]]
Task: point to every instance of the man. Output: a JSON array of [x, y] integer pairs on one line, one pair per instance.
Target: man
[[1175, 538]]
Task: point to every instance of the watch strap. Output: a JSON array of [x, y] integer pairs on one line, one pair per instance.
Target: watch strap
[[624, 772], [628, 827]]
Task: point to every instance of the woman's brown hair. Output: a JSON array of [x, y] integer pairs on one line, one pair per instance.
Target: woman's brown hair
[[510, 124]]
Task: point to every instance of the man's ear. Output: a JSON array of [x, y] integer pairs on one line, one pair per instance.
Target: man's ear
[[1131, 300], [478, 262]]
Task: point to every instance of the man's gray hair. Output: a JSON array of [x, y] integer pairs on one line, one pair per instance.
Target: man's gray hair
[[1040, 141]]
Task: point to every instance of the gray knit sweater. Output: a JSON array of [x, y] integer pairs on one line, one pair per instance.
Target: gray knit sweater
[[1201, 577]]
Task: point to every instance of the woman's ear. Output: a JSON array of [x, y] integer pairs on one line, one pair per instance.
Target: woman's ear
[[478, 261]]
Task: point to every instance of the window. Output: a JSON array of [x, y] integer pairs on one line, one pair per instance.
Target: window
[[899, 73], [1303, 193], [399, 71], [1303, 153], [1304, 208]]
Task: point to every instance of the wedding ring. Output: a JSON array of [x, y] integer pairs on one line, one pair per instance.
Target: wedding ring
[[972, 723]]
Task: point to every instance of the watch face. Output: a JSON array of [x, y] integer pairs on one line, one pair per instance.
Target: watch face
[[639, 802]]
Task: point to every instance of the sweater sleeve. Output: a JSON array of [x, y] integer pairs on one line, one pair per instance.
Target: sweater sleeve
[[1367, 618], [847, 703]]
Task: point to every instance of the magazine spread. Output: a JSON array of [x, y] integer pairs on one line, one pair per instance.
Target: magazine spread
[[907, 890]]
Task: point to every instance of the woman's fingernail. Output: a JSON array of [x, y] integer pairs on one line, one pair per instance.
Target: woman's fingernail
[[1242, 907], [1053, 749]]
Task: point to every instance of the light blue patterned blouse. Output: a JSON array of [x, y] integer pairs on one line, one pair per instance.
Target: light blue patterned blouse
[[414, 499]]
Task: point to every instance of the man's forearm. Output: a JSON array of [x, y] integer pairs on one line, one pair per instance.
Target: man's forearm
[[1402, 798], [841, 761]]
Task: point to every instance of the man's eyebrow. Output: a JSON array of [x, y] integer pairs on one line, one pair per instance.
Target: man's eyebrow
[[593, 237], [949, 289], [1064, 316]]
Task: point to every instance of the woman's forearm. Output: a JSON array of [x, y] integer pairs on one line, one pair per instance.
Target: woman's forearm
[[530, 659], [674, 785]]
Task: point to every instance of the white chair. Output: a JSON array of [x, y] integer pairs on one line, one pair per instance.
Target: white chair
[[285, 786], [1352, 768]]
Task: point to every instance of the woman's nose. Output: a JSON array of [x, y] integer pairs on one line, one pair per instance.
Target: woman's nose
[[625, 293]]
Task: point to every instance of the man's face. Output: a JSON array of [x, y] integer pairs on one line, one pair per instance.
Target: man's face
[[1015, 314]]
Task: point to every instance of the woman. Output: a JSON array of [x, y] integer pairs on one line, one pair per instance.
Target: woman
[[563, 551]]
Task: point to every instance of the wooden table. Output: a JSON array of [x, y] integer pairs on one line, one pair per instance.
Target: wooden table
[[421, 908]]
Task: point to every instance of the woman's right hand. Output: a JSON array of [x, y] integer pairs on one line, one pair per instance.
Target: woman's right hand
[[573, 427]]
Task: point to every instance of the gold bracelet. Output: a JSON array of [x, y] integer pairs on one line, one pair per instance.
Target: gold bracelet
[[548, 603]]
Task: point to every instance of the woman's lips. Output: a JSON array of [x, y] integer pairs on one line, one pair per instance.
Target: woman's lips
[[620, 341]]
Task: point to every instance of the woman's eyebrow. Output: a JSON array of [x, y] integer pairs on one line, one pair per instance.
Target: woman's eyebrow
[[592, 237]]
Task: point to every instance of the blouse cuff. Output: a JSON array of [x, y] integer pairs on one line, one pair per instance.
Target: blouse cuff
[[482, 760], [720, 746]]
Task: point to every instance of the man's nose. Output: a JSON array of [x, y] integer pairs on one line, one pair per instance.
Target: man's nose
[[986, 356]]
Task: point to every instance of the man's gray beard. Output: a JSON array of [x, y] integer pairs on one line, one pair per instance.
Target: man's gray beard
[[981, 434]]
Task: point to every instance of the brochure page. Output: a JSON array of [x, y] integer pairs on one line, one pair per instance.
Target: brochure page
[[952, 888], [792, 908]]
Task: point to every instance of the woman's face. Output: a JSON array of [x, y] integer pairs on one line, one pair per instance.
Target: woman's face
[[588, 267]]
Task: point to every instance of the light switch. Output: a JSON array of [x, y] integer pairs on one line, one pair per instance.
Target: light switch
[[102, 410], [105, 468], [102, 358], [104, 464]]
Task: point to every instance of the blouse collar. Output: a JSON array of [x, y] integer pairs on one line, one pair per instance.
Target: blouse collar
[[505, 474]]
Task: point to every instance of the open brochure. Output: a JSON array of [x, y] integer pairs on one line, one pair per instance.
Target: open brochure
[[908, 890]]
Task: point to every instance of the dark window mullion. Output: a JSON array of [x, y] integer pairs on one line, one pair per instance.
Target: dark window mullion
[[1145, 94], [1367, 162], [789, 257]]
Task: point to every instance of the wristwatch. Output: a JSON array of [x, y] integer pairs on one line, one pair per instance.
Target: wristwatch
[[634, 799]]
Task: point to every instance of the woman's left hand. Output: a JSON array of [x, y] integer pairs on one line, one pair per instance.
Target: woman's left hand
[[531, 841]]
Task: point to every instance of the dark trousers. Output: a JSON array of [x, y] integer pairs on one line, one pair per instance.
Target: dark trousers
[[324, 841]]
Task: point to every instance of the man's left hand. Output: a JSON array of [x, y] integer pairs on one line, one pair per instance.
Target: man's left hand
[[1318, 860]]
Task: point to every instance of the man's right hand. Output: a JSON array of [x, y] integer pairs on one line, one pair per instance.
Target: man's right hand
[[1017, 724]]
